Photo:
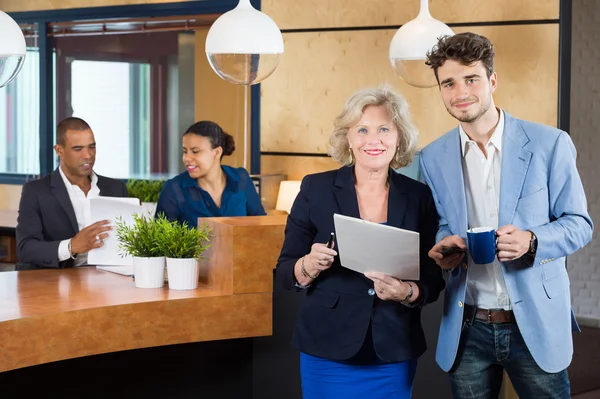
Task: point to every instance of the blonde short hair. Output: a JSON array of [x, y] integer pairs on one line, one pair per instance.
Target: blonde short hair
[[397, 109]]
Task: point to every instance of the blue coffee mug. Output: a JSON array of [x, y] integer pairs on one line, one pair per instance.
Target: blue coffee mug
[[482, 244]]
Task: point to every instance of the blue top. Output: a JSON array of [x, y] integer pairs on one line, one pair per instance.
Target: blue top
[[183, 200]]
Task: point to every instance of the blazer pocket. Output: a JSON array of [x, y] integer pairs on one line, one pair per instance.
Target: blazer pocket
[[533, 198], [324, 298], [556, 286]]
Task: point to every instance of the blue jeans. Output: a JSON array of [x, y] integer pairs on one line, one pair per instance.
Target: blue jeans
[[488, 349]]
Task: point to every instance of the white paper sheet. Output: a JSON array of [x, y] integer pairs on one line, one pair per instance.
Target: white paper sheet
[[111, 208], [366, 246], [124, 270]]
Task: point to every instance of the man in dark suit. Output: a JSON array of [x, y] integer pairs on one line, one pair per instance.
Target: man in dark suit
[[54, 211]]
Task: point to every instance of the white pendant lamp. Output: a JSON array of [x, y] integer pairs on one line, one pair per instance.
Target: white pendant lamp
[[410, 45], [12, 49], [243, 45]]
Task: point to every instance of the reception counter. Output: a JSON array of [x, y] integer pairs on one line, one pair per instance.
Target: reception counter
[[50, 316], [69, 313]]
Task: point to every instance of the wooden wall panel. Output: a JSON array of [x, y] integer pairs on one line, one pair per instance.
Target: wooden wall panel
[[37, 5], [320, 70], [295, 167], [219, 101], [293, 14]]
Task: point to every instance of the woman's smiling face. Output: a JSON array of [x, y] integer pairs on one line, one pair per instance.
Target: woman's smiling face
[[374, 139]]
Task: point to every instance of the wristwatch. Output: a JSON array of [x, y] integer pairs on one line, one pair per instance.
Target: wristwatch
[[71, 254], [533, 243]]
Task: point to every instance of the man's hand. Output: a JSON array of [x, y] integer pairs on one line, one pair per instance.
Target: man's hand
[[452, 260], [512, 243], [90, 237]]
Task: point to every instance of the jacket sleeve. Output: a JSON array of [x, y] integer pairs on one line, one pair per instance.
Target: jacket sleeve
[[31, 246], [299, 237], [431, 281], [443, 230], [571, 227]]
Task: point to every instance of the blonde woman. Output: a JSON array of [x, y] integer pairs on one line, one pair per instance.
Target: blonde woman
[[360, 335]]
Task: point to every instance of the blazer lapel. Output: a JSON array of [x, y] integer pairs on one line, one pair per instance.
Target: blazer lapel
[[451, 168], [345, 192], [397, 201], [105, 190], [62, 196], [515, 163]]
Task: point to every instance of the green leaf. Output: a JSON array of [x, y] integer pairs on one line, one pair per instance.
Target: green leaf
[[145, 190]]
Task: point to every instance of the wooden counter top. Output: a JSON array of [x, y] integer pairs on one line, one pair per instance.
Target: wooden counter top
[[50, 315]]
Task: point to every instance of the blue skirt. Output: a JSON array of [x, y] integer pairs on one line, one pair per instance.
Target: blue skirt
[[327, 379]]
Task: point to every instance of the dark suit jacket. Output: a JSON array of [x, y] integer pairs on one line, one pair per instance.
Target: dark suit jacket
[[336, 313], [46, 217]]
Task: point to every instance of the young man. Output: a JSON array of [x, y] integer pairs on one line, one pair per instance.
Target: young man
[[519, 177], [54, 210]]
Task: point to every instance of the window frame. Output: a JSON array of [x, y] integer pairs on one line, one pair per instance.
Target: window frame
[[46, 70]]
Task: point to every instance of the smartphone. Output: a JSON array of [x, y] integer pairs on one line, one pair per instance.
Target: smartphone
[[446, 251]]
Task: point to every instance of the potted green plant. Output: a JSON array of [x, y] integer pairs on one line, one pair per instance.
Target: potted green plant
[[147, 191], [140, 240], [183, 247]]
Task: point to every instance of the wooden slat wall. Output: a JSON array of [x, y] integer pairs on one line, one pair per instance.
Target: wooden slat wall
[[321, 68], [307, 14], [301, 99], [38, 5]]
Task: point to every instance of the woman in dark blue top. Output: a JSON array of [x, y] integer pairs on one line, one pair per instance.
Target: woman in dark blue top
[[207, 188]]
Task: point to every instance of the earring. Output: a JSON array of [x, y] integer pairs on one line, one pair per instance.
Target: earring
[[351, 155]]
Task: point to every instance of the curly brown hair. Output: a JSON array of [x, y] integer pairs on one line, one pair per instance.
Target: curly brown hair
[[466, 48]]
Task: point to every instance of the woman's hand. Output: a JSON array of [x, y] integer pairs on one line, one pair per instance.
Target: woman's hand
[[389, 288], [320, 258]]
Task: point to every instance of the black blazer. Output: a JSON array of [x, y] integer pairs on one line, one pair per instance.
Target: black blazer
[[335, 315], [46, 217]]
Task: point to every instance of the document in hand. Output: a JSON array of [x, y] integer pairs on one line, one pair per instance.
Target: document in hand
[[111, 208], [366, 246]]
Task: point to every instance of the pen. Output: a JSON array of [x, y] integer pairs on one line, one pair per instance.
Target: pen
[[330, 242]]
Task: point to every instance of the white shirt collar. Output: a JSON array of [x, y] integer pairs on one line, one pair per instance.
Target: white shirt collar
[[68, 184], [495, 140]]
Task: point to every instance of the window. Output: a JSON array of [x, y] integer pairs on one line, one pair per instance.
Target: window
[[130, 72], [134, 90], [114, 98], [19, 117]]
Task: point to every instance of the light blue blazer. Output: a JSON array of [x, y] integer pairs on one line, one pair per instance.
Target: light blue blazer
[[541, 191]]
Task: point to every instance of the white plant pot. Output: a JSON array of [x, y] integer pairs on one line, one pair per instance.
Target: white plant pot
[[183, 273], [148, 208], [149, 272]]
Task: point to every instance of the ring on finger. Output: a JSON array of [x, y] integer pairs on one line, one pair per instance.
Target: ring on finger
[[97, 237]]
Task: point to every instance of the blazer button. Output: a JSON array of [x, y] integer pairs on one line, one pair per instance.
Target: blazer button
[[460, 304], [371, 291]]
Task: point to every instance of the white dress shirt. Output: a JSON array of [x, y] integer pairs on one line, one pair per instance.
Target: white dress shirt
[[485, 283], [81, 206]]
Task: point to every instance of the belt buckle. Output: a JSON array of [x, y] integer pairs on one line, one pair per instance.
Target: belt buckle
[[489, 318]]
